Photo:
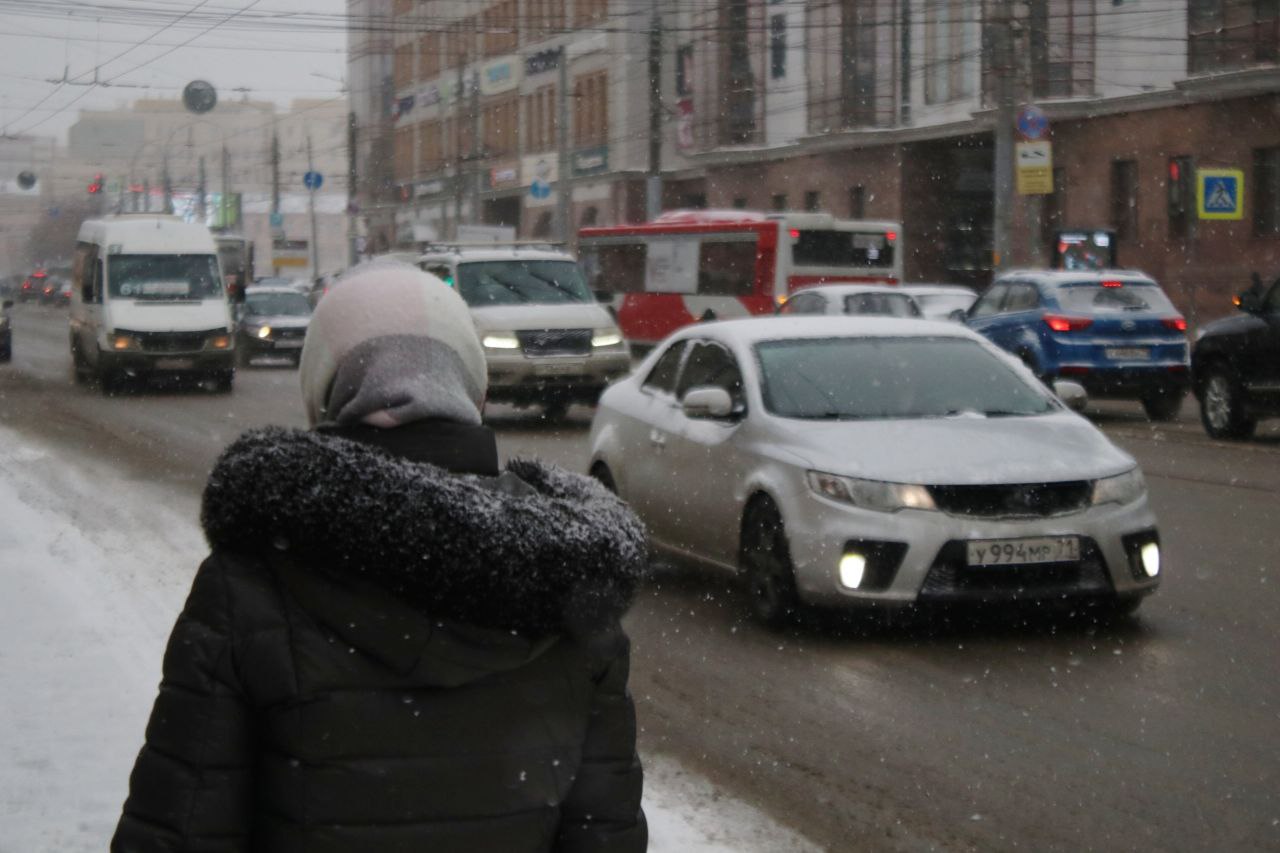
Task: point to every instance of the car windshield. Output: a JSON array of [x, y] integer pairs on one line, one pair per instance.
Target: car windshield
[[1129, 296], [277, 304], [891, 378], [514, 282], [884, 304], [164, 277]]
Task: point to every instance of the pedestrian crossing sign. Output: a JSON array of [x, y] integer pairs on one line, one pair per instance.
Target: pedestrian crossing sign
[[1220, 193]]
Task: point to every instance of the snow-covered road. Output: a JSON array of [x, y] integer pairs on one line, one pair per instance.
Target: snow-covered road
[[93, 569]]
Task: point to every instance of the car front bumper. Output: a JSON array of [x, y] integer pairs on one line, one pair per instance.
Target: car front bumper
[[204, 361], [516, 377], [927, 550]]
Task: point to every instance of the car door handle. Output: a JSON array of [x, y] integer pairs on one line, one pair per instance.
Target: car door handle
[[657, 439]]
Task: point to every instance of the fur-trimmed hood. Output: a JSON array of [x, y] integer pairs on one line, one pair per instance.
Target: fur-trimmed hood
[[549, 552]]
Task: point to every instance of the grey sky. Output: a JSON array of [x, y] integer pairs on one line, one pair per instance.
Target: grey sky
[[274, 48]]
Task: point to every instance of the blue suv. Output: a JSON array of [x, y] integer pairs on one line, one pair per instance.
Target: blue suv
[[1113, 331]]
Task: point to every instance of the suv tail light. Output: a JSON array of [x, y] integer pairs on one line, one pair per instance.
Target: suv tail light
[[1059, 323], [1177, 324]]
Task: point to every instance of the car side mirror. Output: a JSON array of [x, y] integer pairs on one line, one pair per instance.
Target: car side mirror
[[957, 315], [707, 401], [1248, 302], [1072, 394]]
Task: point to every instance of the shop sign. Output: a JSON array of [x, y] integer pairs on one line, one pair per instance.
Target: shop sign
[[500, 76], [543, 61], [436, 186], [504, 175], [539, 167], [429, 96], [591, 161], [1034, 161]]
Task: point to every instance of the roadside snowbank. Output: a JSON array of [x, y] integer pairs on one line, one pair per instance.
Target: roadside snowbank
[[93, 570]]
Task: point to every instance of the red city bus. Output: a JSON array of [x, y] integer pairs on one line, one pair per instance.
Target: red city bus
[[692, 265]]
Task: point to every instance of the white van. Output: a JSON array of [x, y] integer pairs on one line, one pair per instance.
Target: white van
[[147, 297]]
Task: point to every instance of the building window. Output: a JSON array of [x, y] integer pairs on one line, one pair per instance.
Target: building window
[[739, 203], [738, 113], [1226, 34], [813, 201], [1266, 191], [950, 42], [684, 71], [859, 36], [540, 119], [500, 122], [498, 26], [1124, 198], [1061, 34], [402, 66], [591, 109], [778, 46], [543, 18], [779, 201], [588, 12], [858, 202]]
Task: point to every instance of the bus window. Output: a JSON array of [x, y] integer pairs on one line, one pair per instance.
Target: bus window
[[615, 268], [842, 249], [727, 269]]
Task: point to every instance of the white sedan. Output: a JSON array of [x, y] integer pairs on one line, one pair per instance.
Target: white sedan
[[880, 300], [873, 461]]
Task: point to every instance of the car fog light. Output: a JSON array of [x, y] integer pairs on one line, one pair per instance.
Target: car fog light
[[852, 569], [500, 340], [220, 342], [1150, 555]]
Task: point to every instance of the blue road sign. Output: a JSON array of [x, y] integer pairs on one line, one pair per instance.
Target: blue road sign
[[313, 180], [539, 188], [277, 219], [1219, 193], [1032, 123]]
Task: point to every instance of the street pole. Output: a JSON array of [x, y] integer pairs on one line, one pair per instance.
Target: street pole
[[168, 185], [1003, 61], [458, 185], [564, 189], [476, 218], [202, 209], [275, 172], [653, 184], [352, 130], [225, 201], [311, 211]]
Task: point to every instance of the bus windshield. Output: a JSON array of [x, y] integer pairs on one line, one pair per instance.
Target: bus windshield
[[164, 277], [830, 248]]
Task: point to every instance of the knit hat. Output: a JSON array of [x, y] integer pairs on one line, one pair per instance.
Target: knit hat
[[389, 345]]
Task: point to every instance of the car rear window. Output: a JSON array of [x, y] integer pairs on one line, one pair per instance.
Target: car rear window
[[1128, 296]]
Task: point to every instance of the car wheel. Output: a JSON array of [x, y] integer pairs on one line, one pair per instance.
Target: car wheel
[[223, 381], [242, 355], [1222, 409], [1163, 406], [601, 472], [110, 381], [6, 354], [765, 562]]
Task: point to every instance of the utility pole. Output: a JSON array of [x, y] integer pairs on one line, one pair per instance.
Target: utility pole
[[352, 206], [311, 211], [168, 185], [564, 187], [476, 218], [1003, 65], [202, 208], [653, 185], [225, 202], [275, 172], [458, 183]]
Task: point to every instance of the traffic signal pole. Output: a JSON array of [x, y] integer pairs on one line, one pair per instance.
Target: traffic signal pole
[[1003, 63]]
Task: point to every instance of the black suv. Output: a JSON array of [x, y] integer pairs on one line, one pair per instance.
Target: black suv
[[1235, 365]]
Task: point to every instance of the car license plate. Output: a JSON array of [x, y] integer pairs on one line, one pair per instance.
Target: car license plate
[[1040, 549], [559, 368], [292, 343], [1128, 354], [175, 363]]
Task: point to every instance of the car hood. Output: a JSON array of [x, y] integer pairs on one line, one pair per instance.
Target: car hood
[[963, 450], [140, 316], [501, 318]]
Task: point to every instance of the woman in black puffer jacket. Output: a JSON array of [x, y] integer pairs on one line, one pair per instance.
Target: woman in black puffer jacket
[[394, 645]]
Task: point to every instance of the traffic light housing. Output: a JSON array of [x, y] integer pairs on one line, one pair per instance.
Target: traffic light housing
[[1180, 183], [95, 186]]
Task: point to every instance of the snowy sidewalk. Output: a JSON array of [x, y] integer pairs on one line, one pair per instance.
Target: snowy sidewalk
[[93, 570]]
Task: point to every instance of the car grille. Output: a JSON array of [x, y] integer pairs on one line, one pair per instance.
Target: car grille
[[287, 334], [171, 342], [951, 578], [1021, 500], [555, 341]]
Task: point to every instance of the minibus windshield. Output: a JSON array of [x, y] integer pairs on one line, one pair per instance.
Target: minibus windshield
[[164, 277]]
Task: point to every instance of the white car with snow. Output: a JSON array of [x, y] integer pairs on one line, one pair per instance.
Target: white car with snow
[[547, 341], [870, 462]]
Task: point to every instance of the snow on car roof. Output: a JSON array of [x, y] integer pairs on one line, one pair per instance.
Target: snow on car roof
[[932, 289], [753, 330], [499, 253], [837, 288], [1075, 276]]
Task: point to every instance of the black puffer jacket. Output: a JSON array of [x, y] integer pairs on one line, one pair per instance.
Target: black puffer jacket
[[380, 655]]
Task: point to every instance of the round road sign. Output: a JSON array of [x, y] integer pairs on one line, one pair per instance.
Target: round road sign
[[1032, 123], [199, 96]]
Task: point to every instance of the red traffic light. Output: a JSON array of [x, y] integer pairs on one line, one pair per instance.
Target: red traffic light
[[1175, 171], [96, 186]]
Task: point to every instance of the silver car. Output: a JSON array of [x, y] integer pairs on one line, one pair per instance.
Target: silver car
[[873, 461]]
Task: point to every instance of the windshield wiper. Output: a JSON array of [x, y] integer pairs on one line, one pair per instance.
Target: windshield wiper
[[509, 287], [577, 297]]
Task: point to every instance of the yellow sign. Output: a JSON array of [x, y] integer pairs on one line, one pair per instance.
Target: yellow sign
[[287, 261], [1220, 193], [1034, 167]]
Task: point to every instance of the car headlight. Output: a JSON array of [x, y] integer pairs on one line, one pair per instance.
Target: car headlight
[[501, 340], [870, 494], [1120, 489], [601, 338], [120, 343], [263, 332], [219, 342]]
